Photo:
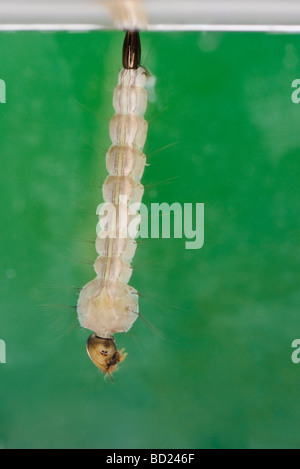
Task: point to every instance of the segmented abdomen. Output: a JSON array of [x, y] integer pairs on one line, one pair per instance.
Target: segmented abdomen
[[107, 304]]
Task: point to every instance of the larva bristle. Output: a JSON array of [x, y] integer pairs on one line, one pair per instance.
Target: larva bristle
[[158, 150]]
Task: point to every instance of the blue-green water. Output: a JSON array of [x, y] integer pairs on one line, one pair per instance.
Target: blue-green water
[[215, 371]]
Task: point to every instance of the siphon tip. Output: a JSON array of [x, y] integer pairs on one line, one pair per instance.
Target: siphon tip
[[132, 50]]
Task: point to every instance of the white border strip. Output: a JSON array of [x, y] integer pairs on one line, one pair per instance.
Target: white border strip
[[290, 29]]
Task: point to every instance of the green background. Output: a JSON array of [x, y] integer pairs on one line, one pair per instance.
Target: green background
[[214, 370]]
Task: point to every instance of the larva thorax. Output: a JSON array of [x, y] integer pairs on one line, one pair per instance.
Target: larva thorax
[[107, 304]]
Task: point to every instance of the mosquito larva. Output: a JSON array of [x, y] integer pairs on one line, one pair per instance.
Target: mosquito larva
[[107, 304]]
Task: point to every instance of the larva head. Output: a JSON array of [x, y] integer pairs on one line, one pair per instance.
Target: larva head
[[104, 353]]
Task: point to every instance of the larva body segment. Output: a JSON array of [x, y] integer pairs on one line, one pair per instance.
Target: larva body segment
[[132, 103], [107, 304], [128, 129], [127, 159], [114, 186], [107, 307], [123, 248]]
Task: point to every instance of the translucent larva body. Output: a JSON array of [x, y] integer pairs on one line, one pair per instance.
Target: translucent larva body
[[107, 304]]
